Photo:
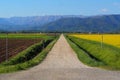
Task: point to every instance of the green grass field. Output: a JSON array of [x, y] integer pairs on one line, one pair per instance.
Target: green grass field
[[91, 53], [26, 35]]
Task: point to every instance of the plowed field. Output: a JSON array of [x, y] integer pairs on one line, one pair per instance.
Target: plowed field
[[14, 46]]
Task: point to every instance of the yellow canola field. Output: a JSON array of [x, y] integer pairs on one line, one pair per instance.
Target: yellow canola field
[[112, 39]]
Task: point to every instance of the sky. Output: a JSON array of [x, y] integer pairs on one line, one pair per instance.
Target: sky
[[23, 8]]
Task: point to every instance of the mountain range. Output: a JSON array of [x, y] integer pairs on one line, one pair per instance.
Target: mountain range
[[62, 23]]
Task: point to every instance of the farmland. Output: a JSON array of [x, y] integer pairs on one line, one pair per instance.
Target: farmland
[[26, 36], [15, 46], [90, 52], [23, 50], [112, 39], [18, 42]]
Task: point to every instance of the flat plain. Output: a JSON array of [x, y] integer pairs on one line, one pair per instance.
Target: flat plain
[[62, 64]]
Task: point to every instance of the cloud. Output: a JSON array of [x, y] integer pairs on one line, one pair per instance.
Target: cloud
[[104, 10]]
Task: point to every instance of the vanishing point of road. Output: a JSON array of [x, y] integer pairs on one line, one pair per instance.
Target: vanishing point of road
[[62, 63]]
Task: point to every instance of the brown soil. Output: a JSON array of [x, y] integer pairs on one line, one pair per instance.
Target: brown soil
[[15, 46]]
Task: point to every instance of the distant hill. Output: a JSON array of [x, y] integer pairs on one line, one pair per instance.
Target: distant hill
[[108, 23], [29, 23], [65, 23]]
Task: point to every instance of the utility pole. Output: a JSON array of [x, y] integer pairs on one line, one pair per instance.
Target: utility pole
[[6, 47], [102, 41]]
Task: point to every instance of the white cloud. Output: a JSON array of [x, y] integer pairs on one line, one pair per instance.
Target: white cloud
[[104, 10]]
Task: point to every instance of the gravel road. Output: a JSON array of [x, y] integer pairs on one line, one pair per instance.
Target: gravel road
[[62, 64]]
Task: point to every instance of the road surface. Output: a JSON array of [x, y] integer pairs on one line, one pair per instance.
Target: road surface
[[62, 64]]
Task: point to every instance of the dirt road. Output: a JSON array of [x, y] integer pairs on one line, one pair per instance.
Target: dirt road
[[62, 64]]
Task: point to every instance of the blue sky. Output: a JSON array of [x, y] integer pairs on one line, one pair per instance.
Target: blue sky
[[10, 8]]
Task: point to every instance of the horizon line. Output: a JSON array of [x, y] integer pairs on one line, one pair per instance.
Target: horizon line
[[59, 15]]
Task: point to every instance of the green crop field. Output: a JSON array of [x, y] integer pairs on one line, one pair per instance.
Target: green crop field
[[26, 36]]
